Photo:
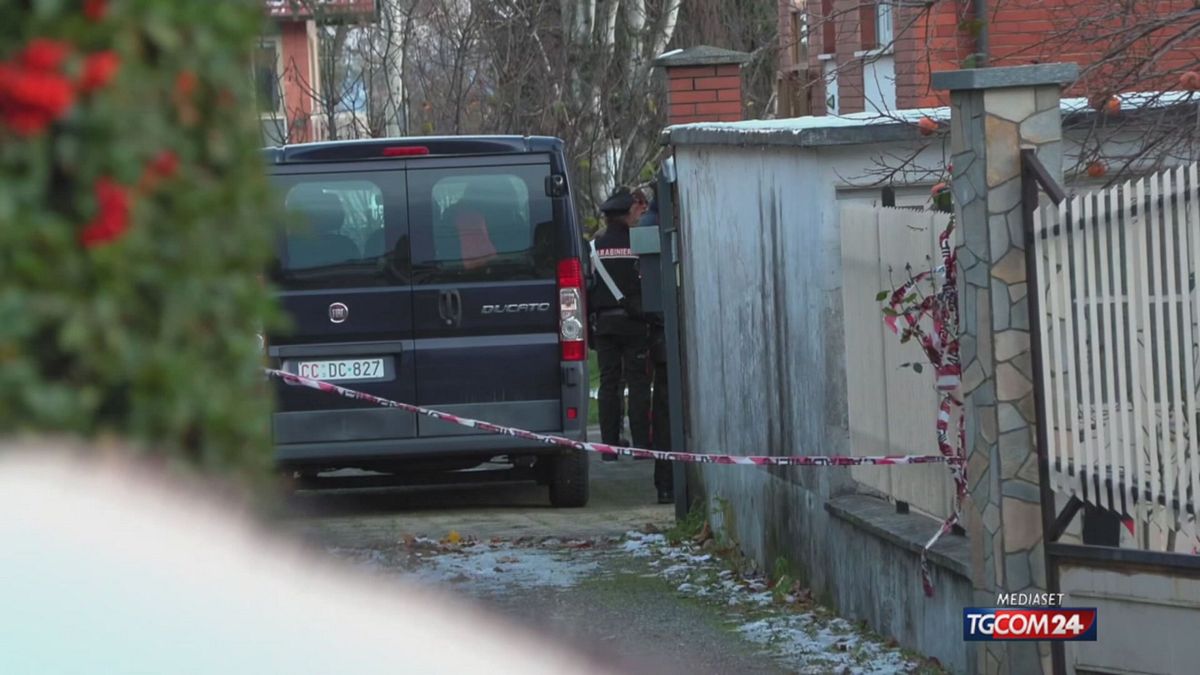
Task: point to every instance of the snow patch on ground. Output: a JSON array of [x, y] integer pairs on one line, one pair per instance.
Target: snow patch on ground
[[641, 545], [802, 638], [504, 568], [675, 570], [810, 645], [367, 560]]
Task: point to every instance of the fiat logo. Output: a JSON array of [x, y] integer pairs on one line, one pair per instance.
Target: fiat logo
[[338, 312]]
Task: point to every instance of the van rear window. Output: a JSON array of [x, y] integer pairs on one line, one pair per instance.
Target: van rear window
[[420, 226], [481, 224], [343, 232]]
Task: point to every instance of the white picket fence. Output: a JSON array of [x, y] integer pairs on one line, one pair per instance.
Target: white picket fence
[[892, 408], [1119, 332]]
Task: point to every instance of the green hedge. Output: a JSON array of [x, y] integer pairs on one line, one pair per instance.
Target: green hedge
[[133, 226]]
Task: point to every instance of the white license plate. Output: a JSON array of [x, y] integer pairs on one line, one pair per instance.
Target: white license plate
[[345, 369]]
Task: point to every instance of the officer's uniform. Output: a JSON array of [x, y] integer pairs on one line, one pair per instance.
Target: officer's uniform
[[620, 332]]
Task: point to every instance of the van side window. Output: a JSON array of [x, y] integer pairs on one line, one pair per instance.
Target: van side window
[[481, 224], [340, 233]]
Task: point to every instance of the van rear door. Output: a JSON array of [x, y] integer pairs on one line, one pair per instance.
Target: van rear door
[[343, 270], [485, 299]]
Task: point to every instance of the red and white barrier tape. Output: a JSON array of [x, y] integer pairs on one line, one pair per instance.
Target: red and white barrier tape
[[941, 347], [602, 448]]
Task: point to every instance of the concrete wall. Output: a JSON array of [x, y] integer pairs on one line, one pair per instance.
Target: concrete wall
[[766, 374]]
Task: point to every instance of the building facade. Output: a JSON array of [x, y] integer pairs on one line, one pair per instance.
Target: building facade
[[288, 66], [846, 56]]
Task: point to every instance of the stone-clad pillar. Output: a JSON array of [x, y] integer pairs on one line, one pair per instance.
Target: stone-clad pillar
[[995, 112]]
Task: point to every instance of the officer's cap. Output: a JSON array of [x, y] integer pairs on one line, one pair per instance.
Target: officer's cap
[[621, 201]]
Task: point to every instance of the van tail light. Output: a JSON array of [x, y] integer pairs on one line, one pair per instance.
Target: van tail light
[[405, 151], [571, 333]]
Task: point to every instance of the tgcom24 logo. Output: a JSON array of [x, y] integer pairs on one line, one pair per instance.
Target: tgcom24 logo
[[1057, 624]]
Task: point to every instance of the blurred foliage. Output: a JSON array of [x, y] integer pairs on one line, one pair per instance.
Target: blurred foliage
[[591, 225], [134, 227]]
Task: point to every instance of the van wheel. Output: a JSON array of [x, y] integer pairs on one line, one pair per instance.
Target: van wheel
[[569, 480], [286, 484]]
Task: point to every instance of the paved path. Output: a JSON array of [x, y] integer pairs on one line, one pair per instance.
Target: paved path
[[573, 574], [622, 498], [614, 610]]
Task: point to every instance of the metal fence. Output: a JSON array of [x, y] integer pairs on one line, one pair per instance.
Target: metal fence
[[1119, 328]]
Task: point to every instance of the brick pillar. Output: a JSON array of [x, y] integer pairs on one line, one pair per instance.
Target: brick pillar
[[851, 98], [299, 80], [704, 84], [995, 112]]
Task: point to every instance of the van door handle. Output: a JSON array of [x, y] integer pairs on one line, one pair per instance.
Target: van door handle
[[443, 313], [450, 307], [455, 308]]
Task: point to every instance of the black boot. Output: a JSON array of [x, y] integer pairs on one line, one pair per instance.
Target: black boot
[[621, 443]]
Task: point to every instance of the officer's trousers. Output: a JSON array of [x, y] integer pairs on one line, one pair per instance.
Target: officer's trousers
[[661, 429], [627, 355]]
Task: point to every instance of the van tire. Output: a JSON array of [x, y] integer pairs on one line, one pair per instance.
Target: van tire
[[286, 484], [569, 480]]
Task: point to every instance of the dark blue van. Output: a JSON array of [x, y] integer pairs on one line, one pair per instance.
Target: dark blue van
[[444, 272]]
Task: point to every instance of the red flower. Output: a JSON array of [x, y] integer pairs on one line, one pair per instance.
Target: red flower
[[98, 70], [46, 91], [95, 10], [226, 99], [43, 54], [163, 167], [25, 121], [112, 217], [165, 164], [30, 100], [185, 83]]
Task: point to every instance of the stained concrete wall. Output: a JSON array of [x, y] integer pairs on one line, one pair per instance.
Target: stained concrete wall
[[765, 354]]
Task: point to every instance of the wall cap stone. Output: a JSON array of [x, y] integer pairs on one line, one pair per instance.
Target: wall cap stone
[[726, 134], [701, 56], [1010, 76], [908, 531], [1078, 116]]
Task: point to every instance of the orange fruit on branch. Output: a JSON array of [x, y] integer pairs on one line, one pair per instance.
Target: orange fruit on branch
[[1109, 105]]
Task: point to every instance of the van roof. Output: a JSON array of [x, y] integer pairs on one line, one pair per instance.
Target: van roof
[[415, 146]]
